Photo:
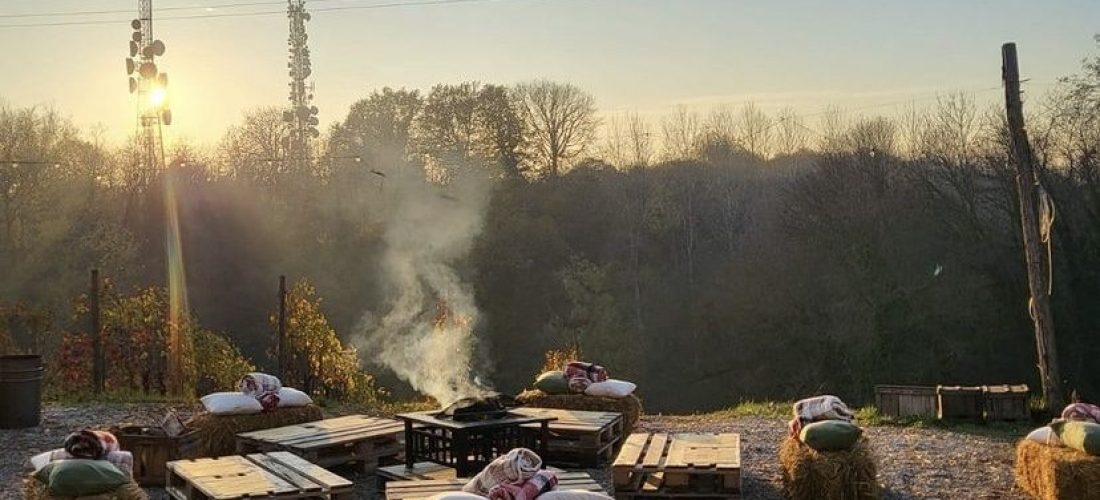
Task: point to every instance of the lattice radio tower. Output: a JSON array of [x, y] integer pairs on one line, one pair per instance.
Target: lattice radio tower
[[302, 115], [150, 85]]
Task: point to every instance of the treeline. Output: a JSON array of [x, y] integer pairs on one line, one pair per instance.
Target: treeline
[[711, 258]]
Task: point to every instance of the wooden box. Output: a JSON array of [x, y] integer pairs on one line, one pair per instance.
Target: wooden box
[[960, 403], [900, 401], [1006, 402], [152, 449]]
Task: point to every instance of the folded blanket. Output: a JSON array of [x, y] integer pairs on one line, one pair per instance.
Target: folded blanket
[[580, 374], [540, 483], [1082, 411], [514, 467], [124, 460], [91, 444], [816, 409], [257, 384]]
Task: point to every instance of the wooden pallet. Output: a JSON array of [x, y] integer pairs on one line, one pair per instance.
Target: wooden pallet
[[277, 475], [678, 465], [335, 441], [420, 471], [579, 438], [415, 490]]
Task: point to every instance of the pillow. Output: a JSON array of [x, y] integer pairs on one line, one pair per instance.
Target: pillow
[[289, 398], [830, 435], [79, 477], [231, 403], [553, 382], [1081, 436], [573, 495], [611, 388], [457, 495], [1044, 435]]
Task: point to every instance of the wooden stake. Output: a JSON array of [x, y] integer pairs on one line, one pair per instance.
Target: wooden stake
[[1027, 186], [98, 375], [281, 357]]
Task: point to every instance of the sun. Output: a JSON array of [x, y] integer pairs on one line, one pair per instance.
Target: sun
[[157, 97]]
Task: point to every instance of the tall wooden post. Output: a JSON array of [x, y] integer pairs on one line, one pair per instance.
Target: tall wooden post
[[281, 346], [96, 332], [1038, 267]]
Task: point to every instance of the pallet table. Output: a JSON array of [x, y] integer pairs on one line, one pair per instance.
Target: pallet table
[[469, 446], [416, 490], [579, 438], [424, 471], [335, 441], [277, 475], [678, 465]]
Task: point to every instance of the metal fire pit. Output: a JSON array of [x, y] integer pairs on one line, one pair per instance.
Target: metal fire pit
[[469, 446]]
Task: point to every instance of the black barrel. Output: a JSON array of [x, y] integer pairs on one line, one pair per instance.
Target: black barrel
[[20, 391]]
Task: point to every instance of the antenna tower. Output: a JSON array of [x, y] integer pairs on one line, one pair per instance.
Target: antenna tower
[[302, 115], [150, 85]]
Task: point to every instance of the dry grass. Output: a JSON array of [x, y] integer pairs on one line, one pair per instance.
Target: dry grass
[[218, 433], [33, 489], [833, 475], [556, 359], [630, 406], [1056, 473]]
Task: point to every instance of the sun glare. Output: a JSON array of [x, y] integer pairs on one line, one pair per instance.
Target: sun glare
[[157, 97]]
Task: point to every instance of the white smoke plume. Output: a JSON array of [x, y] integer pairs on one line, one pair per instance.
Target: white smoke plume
[[426, 335]]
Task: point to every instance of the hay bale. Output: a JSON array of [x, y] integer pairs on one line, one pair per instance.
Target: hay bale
[[1056, 473], [33, 489], [630, 406], [833, 475], [218, 433]]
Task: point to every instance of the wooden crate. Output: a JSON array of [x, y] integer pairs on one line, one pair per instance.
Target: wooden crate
[[579, 438], [1006, 402], [152, 449], [417, 490], [335, 441], [901, 401], [277, 475], [959, 403], [678, 465]]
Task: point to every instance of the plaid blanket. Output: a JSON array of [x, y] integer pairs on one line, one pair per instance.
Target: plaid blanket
[[540, 483], [815, 409], [1082, 411], [91, 444], [514, 467], [257, 384], [124, 460], [581, 374]]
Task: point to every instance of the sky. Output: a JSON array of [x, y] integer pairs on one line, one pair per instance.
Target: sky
[[640, 56]]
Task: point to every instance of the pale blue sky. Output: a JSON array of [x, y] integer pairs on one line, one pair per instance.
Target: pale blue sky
[[632, 55]]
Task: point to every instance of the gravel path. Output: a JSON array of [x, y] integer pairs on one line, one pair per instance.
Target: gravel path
[[914, 463]]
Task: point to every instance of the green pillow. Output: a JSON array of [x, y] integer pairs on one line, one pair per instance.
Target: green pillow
[[78, 477], [553, 382], [830, 435], [1082, 436]]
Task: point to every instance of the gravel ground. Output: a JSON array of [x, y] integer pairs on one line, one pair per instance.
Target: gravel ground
[[914, 463]]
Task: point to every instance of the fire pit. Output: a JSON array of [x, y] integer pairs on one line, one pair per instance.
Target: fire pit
[[469, 435]]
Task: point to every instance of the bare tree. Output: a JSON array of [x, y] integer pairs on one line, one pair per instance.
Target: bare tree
[[628, 141], [559, 122], [790, 133], [682, 134], [834, 128], [253, 150], [754, 130]]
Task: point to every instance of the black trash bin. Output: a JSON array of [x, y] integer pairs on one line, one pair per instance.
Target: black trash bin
[[20, 391]]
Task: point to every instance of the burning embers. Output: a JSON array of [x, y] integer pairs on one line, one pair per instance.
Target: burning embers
[[473, 409]]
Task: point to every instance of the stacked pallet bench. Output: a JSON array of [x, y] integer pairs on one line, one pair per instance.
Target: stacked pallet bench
[[667, 466], [335, 441], [277, 475], [416, 490], [579, 438]]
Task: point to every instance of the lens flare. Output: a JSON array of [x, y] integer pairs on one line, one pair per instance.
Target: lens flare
[[157, 96], [178, 313]]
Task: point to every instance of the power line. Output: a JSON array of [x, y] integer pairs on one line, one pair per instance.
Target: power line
[[414, 3], [130, 11]]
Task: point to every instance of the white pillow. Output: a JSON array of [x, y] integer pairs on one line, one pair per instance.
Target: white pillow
[[289, 398], [611, 388], [458, 495], [231, 403], [1045, 435], [573, 495]]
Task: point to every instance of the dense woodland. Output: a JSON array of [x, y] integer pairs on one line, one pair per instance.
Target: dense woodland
[[711, 257]]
